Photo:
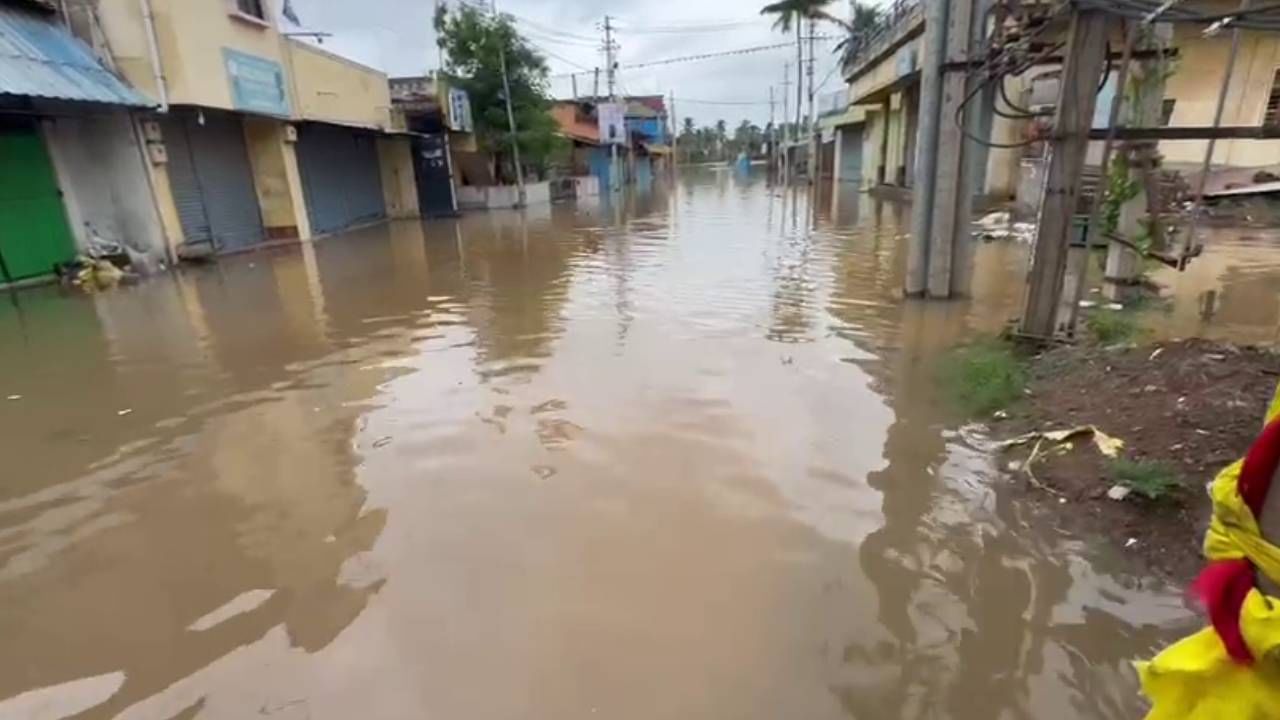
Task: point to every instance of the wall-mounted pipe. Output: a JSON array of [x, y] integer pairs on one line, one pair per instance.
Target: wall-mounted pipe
[[153, 46]]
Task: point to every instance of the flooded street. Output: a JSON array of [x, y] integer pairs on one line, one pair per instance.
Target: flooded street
[[677, 457]]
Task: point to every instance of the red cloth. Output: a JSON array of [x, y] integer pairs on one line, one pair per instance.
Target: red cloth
[[1223, 585]]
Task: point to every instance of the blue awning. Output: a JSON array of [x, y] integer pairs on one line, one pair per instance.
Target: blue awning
[[40, 58]]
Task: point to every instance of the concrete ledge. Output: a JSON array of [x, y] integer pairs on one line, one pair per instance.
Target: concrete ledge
[[497, 197]]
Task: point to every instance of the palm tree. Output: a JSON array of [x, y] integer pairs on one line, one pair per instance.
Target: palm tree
[[789, 14], [867, 19]]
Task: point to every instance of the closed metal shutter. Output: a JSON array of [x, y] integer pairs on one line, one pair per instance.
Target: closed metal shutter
[[340, 177], [212, 180]]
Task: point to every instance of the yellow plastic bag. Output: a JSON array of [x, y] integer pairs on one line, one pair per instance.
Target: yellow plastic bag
[[1195, 678]]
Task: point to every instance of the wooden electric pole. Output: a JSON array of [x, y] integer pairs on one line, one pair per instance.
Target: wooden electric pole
[[1085, 59]]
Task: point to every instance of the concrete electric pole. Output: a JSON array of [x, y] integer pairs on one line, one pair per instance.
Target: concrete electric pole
[[610, 67], [511, 117]]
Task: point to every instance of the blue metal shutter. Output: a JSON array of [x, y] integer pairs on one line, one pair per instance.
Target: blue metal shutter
[[212, 180], [367, 201], [184, 183], [222, 161], [340, 177]]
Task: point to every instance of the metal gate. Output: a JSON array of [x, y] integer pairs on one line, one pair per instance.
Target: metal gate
[[431, 168], [212, 180], [340, 177], [34, 234], [850, 159]]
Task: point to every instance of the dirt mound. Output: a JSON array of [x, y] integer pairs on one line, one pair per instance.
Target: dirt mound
[[1185, 408]]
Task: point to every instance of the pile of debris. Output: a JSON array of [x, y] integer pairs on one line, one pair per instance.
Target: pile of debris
[[999, 225]]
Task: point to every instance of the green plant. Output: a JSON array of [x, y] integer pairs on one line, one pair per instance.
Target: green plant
[[984, 377], [1150, 479], [1109, 327], [1121, 188], [476, 45]]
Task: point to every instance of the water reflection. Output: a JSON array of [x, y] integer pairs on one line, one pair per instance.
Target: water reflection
[[674, 453]]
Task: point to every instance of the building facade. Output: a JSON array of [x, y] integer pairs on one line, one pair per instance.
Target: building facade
[[73, 177], [256, 137]]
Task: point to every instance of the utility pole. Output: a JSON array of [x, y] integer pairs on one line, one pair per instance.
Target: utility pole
[[931, 118], [952, 195], [813, 118], [610, 65], [574, 80], [783, 159], [511, 117], [773, 134], [595, 88], [675, 132], [1081, 73]]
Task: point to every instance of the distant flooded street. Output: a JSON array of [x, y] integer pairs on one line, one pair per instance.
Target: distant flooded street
[[675, 457]]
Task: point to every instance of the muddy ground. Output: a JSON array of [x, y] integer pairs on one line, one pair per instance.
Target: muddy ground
[[1193, 405]]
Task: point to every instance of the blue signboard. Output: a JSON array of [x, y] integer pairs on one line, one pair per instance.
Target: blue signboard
[[257, 84]]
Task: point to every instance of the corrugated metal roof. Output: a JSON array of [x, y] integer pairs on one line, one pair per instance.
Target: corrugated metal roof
[[40, 58]]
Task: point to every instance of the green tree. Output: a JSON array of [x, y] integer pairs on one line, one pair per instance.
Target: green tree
[[866, 20], [790, 14], [475, 43]]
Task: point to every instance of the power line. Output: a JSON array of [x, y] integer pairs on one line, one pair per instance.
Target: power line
[[701, 56], [681, 29], [552, 30], [556, 40], [696, 101], [557, 56]]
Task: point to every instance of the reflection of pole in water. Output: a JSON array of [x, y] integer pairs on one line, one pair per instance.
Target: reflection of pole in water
[[315, 289], [462, 256]]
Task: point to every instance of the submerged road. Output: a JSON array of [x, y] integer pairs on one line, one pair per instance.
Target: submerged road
[[676, 457]]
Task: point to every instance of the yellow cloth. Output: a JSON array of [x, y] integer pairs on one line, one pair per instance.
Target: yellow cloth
[[1195, 679]]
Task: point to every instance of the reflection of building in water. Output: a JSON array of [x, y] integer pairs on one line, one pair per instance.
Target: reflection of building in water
[[244, 394]]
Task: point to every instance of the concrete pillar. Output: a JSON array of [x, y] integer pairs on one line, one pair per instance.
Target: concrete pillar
[[273, 156]]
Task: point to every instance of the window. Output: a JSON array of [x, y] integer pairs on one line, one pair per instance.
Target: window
[[1272, 117], [252, 8], [1166, 111]]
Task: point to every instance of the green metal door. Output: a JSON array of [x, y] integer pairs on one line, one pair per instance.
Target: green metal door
[[34, 235]]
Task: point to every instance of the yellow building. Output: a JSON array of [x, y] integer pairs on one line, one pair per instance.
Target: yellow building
[[258, 137], [1191, 96]]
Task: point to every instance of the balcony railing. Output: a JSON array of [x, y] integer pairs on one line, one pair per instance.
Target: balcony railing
[[894, 19]]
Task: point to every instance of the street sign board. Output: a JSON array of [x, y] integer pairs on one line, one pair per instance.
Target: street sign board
[[613, 123]]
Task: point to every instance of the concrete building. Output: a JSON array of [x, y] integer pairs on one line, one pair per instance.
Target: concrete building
[[71, 165], [646, 153], [439, 114], [257, 137], [883, 76]]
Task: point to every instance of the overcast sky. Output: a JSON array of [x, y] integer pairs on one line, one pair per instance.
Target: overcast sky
[[396, 37]]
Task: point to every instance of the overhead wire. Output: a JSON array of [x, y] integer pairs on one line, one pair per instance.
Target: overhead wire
[[698, 57], [683, 29], [1263, 17], [696, 101]]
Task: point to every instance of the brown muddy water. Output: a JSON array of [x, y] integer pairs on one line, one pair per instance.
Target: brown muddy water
[[676, 457]]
